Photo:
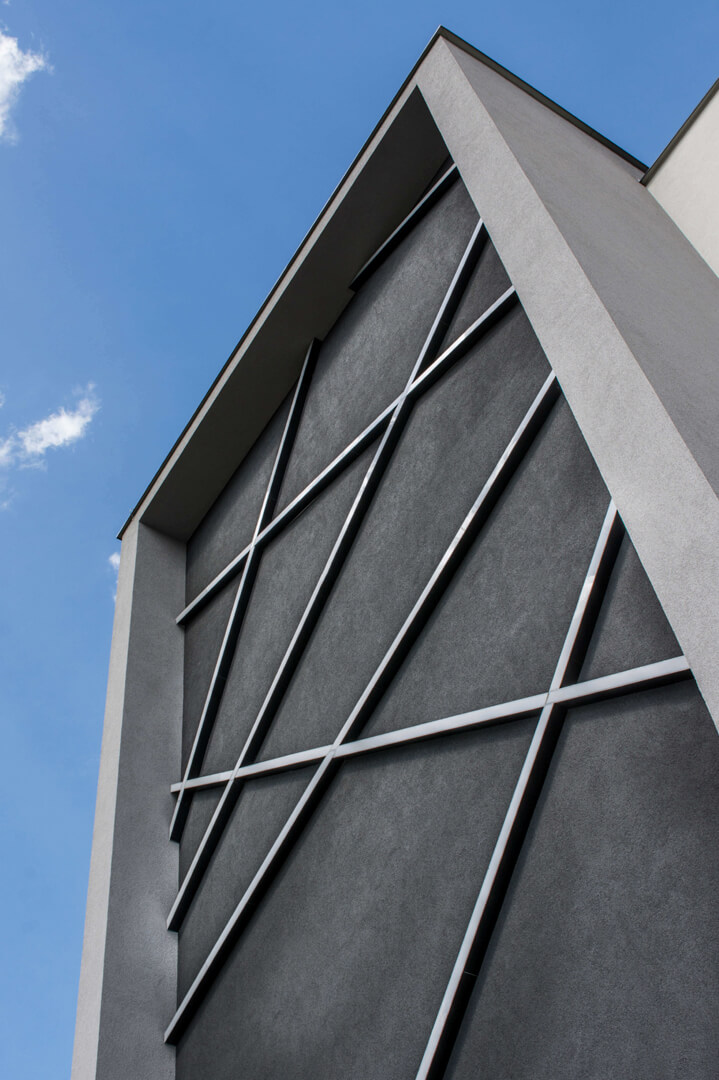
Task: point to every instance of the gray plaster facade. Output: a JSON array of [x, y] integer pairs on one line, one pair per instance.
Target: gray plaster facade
[[410, 765]]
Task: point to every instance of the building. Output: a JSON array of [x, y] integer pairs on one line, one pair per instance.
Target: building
[[415, 642]]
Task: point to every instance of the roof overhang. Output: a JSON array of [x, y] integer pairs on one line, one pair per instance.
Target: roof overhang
[[624, 307], [384, 181]]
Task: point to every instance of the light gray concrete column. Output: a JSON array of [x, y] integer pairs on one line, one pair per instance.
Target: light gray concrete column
[[129, 964], [627, 313]]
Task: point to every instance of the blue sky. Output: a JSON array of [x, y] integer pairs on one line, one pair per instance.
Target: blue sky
[[158, 167]]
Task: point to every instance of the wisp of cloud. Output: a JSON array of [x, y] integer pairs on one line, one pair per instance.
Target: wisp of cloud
[[61, 428], [58, 429], [114, 561], [15, 67]]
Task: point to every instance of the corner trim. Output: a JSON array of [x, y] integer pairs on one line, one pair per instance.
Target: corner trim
[[667, 151]]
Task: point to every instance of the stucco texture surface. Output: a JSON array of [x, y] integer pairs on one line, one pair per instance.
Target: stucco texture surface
[[342, 968], [498, 631], [203, 639], [453, 440], [229, 526], [631, 629], [487, 283], [367, 357], [288, 572], [603, 962], [262, 809]]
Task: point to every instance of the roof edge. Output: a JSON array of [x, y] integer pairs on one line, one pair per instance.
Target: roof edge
[[297, 255], [677, 138], [454, 39]]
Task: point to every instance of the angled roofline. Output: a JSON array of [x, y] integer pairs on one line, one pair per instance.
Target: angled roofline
[[677, 138], [442, 32], [306, 243]]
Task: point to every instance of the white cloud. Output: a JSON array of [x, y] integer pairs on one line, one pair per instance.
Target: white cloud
[[2, 399], [114, 561], [27, 448], [7, 452], [6, 494], [15, 67], [58, 429]]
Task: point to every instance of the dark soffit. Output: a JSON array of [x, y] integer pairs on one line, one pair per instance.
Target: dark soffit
[[162, 517]]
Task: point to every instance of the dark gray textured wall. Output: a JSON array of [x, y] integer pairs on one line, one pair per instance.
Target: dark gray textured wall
[[369, 354], [604, 960], [263, 807], [203, 638], [626, 311], [632, 629], [339, 973], [451, 444], [231, 521], [607, 929], [486, 285], [288, 573], [498, 632]]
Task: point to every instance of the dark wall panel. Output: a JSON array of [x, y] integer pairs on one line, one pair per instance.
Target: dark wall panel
[[202, 807], [486, 285], [632, 628], [453, 440], [203, 638], [604, 962], [257, 819], [343, 967], [366, 359], [228, 527], [288, 573], [498, 632]]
